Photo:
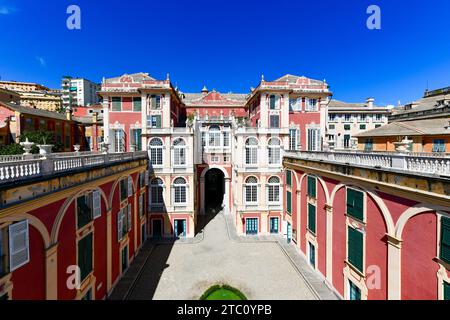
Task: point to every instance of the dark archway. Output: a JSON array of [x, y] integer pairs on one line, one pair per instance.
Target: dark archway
[[214, 190]]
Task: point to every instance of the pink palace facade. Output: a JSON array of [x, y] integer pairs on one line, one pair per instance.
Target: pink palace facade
[[211, 151]]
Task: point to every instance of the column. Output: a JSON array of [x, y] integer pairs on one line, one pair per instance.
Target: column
[[51, 272], [106, 126], [298, 194], [226, 197], [329, 246], [394, 267], [108, 252]]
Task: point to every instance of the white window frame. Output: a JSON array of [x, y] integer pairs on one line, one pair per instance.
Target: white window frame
[[251, 189], [96, 204], [273, 190], [156, 185], [157, 152], [19, 229], [274, 152], [180, 188], [251, 151], [179, 153]]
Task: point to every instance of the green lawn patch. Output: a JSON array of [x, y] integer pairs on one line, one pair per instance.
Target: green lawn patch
[[223, 292]]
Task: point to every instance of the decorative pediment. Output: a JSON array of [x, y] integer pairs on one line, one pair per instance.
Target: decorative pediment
[[126, 79]]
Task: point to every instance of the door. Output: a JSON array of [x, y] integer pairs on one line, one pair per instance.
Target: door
[[124, 259], [251, 226], [289, 233], [180, 228], [312, 255], [273, 225], [157, 228]]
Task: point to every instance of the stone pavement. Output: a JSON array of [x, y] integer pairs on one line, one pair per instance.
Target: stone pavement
[[261, 267]]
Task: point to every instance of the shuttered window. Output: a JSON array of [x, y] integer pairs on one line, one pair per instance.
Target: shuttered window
[[84, 210], [129, 217], [289, 178], [3, 252], [445, 239], [311, 218], [123, 190], [289, 202], [355, 248], [312, 187], [97, 204], [85, 256], [116, 104], [355, 292], [141, 205], [355, 204], [146, 177], [119, 225], [130, 186], [447, 291], [19, 253], [137, 104]]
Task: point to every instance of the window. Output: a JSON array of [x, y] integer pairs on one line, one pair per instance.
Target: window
[[214, 136], [156, 193], [438, 145], [251, 151], [312, 193], [314, 141], [141, 205], [331, 137], [445, 239], [347, 127], [274, 225], [331, 118], [273, 101], [312, 254], [362, 127], [251, 226], [274, 151], [226, 139], [289, 202], [137, 104], [446, 291], [119, 137], [274, 121], [135, 137], [85, 256], [377, 126], [116, 104], [156, 152], [355, 248], [362, 118], [347, 117], [123, 190], [311, 105], [354, 291], [346, 141], [180, 191], [378, 117], [179, 152], [3, 252], [155, 102], [295, 104], [96, 204], [355, 204], [368, 145], [251, 190], [332, 126], [311, 218], [154, 121], [84, 210], [289, 178], [274, 190], [294, 139], [122, 223]]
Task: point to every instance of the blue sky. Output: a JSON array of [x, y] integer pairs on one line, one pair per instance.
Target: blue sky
[[228, 45]]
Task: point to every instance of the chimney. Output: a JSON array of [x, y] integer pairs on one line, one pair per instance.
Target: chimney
[[94, 117], [68, 114], [205, 90], [370, 102]]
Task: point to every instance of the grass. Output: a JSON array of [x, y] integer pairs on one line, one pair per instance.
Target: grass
[[223, 292]]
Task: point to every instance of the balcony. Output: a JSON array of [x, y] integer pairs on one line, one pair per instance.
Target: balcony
[[14, 168], [422, 163]]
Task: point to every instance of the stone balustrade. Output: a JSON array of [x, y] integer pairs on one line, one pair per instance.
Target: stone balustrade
[[34, 166], [418, 163]]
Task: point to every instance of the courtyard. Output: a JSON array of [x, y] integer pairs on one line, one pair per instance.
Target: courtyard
[[185, 269]]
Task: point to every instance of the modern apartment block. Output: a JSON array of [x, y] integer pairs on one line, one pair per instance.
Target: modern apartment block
[[78, 92]]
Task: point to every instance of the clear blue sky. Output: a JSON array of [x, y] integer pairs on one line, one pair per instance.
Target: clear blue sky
[[228, 44]]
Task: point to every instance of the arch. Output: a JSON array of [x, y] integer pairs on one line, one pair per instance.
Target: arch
[[155, 142], [379, 202], [322, 182], [414, 211], [251, 141], [179, 141], [205, 170], [251, 179], [113, 188], [34, 221], [62, 211]]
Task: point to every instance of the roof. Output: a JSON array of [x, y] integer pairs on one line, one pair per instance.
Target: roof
[[423, 104], [411, 128], [337, 105], [33, 111], [135, 77], [297, 79], [214, 98]]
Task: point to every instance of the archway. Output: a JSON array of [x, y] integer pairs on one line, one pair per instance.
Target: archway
[[214, 190]]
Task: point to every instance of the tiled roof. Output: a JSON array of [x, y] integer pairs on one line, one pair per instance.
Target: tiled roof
[[33, 111], [337, 105], [423, 104], [137, 77], [411, 128], [294, 79]]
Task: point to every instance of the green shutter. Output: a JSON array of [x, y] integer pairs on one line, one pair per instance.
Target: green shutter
[[137, 104], [311, 218], [158, 121], [355, 204], [289, 177], [289, 202], [446, 291], [355, 248], [445, 239], [116, 104], [312, 187], [85, 256]]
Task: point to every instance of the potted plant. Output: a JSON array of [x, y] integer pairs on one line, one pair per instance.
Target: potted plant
[[45, 149]]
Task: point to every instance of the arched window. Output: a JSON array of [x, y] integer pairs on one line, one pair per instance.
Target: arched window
[[179, 186], [156, 152], [251, 190], [273, 189], [251, 151], [214, 136], [156, 193], [179, 152], [274, 151]]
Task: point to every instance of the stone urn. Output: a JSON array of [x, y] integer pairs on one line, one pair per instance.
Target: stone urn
[[76, 147], [27, 145], [45, 150], [104, 146], [403, 146]]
